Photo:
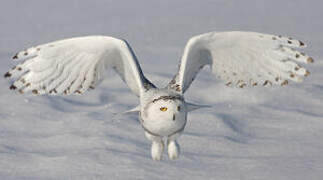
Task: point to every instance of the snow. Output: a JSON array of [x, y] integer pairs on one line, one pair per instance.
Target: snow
[[272, 133]]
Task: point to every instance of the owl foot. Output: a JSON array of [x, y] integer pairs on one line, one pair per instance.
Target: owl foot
[[173, 150]]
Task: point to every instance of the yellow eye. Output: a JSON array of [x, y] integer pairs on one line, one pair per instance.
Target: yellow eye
[[163, 109]]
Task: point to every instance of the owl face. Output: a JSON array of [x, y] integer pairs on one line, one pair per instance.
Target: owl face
[[164, 115]]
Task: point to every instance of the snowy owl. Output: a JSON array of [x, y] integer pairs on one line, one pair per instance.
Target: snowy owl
[[241, 59]]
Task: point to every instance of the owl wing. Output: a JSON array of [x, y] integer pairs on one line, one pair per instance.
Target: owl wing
[[72, 66], [242, 59]]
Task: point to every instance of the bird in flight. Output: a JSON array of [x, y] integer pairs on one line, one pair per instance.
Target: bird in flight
[[240, 59]]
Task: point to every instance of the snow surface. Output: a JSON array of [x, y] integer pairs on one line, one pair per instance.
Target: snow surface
[[272, 133]]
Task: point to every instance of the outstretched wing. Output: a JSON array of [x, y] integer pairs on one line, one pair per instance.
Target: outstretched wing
[[75, 65], [242, 59]]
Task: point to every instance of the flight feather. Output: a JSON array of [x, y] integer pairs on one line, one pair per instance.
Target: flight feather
[[72, 66], [242, 59]]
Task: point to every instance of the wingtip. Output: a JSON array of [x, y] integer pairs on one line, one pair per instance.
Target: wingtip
[[302, 44], [35, 92], [12, 87], [15, 56], [310, 60], [284, 83], [307, 73], [7, 75]]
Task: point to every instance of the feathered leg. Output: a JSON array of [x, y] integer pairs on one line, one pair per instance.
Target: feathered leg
[[173, 147], [157, 146]]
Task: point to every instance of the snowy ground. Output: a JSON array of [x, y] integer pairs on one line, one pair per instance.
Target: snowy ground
[[273, 133]]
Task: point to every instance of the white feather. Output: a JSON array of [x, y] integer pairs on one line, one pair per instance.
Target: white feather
[[75, 65], [242, 59]]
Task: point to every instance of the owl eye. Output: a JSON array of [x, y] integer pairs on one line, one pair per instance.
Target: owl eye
[[163, 109]]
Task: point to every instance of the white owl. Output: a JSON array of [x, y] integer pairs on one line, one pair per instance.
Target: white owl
[[241, 59]]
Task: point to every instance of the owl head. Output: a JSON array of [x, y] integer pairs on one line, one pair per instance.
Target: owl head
[[164, 113]]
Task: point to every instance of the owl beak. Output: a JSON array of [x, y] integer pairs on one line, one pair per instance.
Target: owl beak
[[174, 117]]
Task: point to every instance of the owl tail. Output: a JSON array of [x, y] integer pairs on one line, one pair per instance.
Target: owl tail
[[192, 107], [133, 110]]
